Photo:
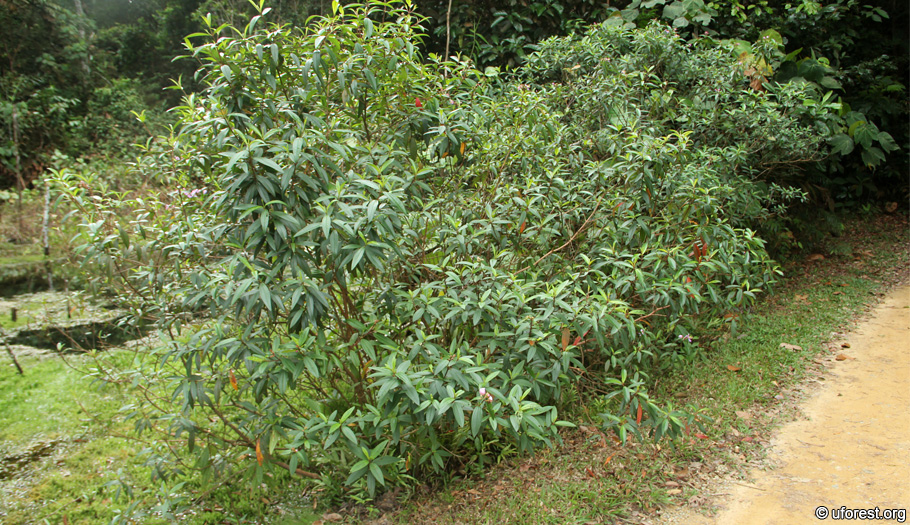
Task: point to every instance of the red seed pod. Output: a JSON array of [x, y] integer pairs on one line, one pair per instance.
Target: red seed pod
[[418, 103]]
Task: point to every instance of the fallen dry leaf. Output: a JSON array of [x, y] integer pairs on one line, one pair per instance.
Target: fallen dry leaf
[[815, 257], [332, 516], [842, 357], [742, 414], [673, 492], [733, 368], [788, 346], [671, 484], [609, 458], [845, 345]]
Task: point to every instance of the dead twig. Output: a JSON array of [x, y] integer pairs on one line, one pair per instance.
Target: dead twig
[[299, 471], [583, 227], [747, 486], [652, 313]]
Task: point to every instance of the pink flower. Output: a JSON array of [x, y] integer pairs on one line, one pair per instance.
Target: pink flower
[[197, 191], [483, 393]]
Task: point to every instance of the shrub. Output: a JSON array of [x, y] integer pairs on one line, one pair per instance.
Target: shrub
[[377, 267]]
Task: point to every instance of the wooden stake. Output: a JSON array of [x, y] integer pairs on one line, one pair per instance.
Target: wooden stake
[[13, 357]]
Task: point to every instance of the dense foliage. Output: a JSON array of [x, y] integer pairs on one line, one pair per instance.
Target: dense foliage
[[855, 54], [374, 266]]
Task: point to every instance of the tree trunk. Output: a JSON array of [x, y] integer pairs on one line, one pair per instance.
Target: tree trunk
[[86, 71], [448, 29]]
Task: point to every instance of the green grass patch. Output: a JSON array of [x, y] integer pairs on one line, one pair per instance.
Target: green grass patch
[[63, 430], [49, 401], [12, 253], [48, 308], [21, 259], [749, 365], [63, 444]]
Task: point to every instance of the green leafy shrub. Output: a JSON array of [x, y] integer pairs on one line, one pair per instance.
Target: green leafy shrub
[[375, 267], [846, 50]]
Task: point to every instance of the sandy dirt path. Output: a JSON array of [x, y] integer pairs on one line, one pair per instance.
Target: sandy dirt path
[[853, 448]]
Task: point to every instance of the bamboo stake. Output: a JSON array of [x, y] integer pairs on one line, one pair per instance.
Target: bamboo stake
[[48, 267], [20, 183]]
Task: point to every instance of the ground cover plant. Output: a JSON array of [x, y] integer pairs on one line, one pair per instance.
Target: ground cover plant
[[377, 268]]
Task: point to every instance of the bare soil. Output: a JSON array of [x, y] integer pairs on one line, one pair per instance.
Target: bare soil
[[851, 450]]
